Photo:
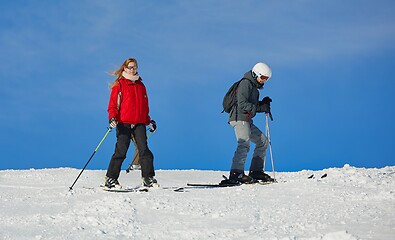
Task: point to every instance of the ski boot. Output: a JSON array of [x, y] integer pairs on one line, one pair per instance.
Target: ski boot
[[112, 183], [149, 182], [240, 177], [133, 167], [261, 176]]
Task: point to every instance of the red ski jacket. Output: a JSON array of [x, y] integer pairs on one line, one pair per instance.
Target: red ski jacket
[[129, 102]]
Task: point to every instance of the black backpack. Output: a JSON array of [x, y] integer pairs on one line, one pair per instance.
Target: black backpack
[[230, 98]]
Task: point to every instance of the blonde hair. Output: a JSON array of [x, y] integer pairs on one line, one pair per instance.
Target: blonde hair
[[118, 72]]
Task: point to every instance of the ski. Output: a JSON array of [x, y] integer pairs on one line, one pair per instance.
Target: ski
[[225, 183], [126, 190], [221, 185], [142, 189], [211, 185], [265, 183], [175, 189]]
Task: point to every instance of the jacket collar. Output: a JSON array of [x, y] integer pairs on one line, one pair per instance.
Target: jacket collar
[[248, 75]]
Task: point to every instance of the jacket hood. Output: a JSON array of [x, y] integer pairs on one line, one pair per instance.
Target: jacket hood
[[248, 75]]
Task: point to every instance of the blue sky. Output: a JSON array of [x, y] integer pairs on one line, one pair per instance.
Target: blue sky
[[332, 86]]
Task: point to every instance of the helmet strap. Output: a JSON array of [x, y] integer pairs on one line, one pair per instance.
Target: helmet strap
[[254, 75]]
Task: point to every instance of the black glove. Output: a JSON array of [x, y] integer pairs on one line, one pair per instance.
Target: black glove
[[152, 126], [264, 108], [266, 100], [264, 105]]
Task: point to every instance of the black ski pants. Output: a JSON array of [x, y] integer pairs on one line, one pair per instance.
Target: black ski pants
[[124, 132]]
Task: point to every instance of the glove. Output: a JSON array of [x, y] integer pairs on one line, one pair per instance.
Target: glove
[[152, 126], [264, 105], [264, 108], [113, 122], [266, 100]]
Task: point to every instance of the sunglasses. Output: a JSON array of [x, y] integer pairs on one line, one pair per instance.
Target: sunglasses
[[132, 67]]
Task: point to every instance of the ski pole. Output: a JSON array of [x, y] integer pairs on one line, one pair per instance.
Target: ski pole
[[102, 140], [270, 143], [149, 133]]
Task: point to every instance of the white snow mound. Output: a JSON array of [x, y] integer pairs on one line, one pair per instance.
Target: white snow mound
[[349, 203]]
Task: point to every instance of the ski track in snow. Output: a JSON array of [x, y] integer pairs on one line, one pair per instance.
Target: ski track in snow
[[350, 203]]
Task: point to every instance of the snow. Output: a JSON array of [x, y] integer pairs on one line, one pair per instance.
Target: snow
[[350, 203]]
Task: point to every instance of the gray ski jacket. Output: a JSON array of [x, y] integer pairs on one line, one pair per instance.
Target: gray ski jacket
[[247, 99]]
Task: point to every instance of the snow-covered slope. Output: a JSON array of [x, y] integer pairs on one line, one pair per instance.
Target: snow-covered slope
[[350, 203]]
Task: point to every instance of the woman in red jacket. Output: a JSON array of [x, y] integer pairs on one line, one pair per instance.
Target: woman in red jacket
[[128, 111]]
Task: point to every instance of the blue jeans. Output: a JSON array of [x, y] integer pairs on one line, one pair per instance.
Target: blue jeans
[[246, 132]]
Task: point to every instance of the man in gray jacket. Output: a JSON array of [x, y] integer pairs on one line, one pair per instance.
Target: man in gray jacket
[[240, 118]]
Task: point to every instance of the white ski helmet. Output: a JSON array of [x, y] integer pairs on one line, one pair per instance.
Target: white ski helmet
[[262, 69]]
